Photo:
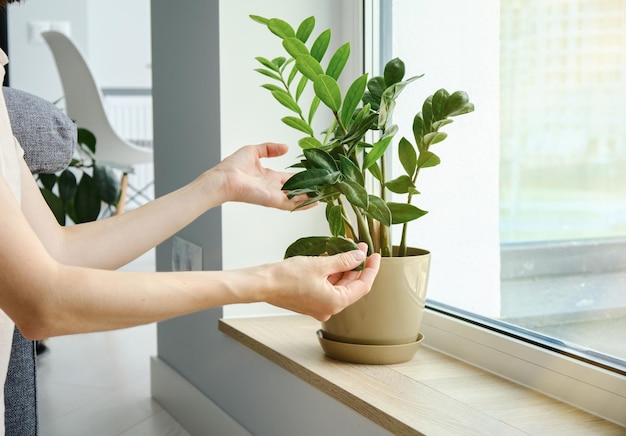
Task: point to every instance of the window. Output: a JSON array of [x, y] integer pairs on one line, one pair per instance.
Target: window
[[527, 220]]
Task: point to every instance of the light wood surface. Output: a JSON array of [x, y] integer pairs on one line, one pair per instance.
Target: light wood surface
[[431, 394]]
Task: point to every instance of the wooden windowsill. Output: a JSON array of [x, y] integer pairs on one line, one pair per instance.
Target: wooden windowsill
[[432, 393]]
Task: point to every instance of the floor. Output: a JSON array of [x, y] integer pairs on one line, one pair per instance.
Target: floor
[[98, 384]]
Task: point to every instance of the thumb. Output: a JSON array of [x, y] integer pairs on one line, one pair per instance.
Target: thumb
[[347, 261]]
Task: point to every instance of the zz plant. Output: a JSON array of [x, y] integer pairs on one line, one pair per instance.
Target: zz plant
[[80, 198], [344, 166]]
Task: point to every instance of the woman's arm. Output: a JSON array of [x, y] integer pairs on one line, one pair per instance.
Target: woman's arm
[[115, 241]]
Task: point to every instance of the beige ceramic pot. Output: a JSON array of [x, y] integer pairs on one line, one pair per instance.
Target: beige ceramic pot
[[391, 314]]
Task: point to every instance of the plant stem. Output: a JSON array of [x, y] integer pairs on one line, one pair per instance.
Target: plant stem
[[350, 232], [364, 233]]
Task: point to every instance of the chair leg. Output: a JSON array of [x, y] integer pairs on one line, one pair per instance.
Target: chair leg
[[119, 209]]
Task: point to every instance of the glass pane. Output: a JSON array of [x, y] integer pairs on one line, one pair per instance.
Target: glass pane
[[527, 212]]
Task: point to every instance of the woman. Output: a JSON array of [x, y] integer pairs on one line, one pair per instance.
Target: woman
[[53, 282]]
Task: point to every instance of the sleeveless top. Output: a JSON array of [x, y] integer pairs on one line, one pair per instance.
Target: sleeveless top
[[10, 156]]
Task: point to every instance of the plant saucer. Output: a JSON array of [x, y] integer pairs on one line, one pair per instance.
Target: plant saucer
[[369, 354]]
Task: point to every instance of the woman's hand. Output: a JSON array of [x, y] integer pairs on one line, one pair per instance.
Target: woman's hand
[[246, 180], [321, 286]]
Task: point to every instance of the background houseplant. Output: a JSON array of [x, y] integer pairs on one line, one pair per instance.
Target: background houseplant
[[79, 191], [345, 166]]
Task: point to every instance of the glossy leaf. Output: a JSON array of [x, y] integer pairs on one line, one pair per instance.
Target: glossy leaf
[[403, 212], [355, 193], [376, 86], [272, 87], [311, 178], [295, 47], [260, 19], [427, 113], [327, 90], [298, 124], [379, 210], [376, 152], [350, 170], [309, 142], [419, 130], [301, 87], [458, 104], [305, 29], [335, 220], [439, 124], [86, 137], [428, 159], [281, 28], [407, 156], [267, 63], [309, 246], [353, 98], [337, 245], [394, 71], [315, 103], [286, 100], [309, 66], [338, 61], [375, 170], [434, 138], [279, 61], [107, 184], [48, 180], [320, 45], [67, 185], [400, 185], [87, 201], [268, 73], [439, 102], [319, 158]]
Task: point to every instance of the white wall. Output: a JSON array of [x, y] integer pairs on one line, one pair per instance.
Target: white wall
[[114, 36]]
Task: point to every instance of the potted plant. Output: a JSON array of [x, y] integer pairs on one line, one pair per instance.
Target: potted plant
[[80, 198], [345, 166]]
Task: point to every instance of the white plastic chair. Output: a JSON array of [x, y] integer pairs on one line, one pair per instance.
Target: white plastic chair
[[83, 100]]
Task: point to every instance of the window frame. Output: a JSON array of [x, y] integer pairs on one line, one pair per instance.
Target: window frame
[[535, 362]]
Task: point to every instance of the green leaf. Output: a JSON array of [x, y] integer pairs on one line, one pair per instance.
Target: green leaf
[[301, 86], [379, 210], [439, 124], [427, 113], [87, 201], [428, 159], [376, 172], [305, 29], [279, 61], [352, 99], [338, 61], [419, 130], [47, 180], [55, 204], [394, 71], [295, 47], [286, 100], [327, 89], [458, 104], [403, 212], [407, 156], [309, 246], [434, 138], [355, 193], [309, 66], [336, 245], [86, 138], [439, 102], [376, 86], [320, 45], [350, 170], [298, 124], [260, 19], [309, 142], [400, 185], [281, 28], [268, 73], [267, 63], [271, 87], [311, 178], [376, 152], [67, 185], [319, 158], [107, 184], [335, 220], [315, 103]]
